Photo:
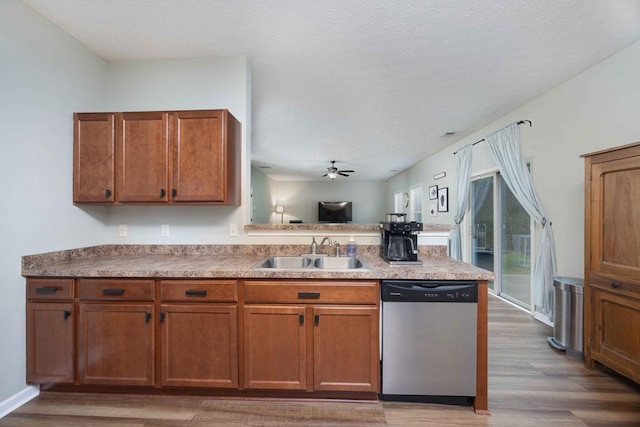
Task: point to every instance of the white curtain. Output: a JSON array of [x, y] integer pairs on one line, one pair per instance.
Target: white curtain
[[464, 184], [505, 149]]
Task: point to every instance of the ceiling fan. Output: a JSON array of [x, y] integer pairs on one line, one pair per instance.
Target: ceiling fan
[[333, 172]]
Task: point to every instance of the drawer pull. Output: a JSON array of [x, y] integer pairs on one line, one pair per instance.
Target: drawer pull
[[110, 291], [308, 295], [196, 292], [67, 314], [615, 285], [47, 290]]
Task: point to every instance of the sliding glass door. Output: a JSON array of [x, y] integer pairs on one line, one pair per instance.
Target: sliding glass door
[[501, 238]]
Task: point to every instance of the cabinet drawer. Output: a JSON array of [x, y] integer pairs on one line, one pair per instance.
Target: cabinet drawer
[[615, 285], [49, 289], [344, 292], [116, 289], [199, 290]]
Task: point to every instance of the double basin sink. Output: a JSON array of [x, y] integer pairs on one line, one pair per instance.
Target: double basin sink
[[312, 262]]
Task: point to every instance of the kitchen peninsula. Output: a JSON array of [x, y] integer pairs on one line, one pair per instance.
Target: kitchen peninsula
[[142, 306]]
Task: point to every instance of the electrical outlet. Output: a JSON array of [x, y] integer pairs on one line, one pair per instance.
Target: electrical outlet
[[122, 230], [233, 229], [164, 230]]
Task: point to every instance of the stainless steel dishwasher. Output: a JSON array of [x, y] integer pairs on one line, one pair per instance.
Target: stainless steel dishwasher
[[428, 336]]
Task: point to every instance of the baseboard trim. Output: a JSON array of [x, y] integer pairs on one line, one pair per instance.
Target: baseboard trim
[[17, 400]]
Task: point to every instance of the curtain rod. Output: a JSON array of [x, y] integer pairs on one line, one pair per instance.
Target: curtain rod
[[521, 122]]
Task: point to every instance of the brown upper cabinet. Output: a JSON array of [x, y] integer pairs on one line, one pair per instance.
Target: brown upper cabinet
[[160, 157]]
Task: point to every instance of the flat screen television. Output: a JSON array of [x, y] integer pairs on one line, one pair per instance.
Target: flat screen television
[[334, 212]]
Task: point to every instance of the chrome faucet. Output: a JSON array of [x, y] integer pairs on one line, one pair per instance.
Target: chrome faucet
[[325, 239], [314, 246], [337, 249]]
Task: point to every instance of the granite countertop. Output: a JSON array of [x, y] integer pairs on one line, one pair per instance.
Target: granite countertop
[[221, 261]]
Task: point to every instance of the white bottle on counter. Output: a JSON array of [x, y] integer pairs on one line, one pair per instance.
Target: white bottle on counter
[[351, 247]]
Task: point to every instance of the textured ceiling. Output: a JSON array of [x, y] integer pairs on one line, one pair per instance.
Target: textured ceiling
[[372, 84]]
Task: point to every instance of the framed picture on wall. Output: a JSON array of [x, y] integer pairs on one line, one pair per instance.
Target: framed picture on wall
[[443, 199], [433, 192]]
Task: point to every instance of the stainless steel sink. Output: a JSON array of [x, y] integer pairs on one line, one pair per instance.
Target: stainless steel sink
[[339, 263], [311, 262], [285, 262]]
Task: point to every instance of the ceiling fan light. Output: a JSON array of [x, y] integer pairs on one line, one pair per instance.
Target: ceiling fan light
[[332, 175]]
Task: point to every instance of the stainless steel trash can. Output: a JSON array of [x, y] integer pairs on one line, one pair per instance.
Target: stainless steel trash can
[[568, 316]]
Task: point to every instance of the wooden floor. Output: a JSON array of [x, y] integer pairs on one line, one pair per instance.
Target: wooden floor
[[529, 385]]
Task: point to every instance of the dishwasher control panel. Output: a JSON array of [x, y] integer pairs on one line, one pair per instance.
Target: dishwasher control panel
[[429, 291]]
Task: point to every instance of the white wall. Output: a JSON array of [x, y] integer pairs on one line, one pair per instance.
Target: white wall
[[45, 76], [594, 110]]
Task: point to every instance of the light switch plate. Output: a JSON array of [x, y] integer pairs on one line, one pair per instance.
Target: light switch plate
[[164, 230], [233, 229], [122, 230]]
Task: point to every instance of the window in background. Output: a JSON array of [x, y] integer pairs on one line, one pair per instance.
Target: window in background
[[415, 203]]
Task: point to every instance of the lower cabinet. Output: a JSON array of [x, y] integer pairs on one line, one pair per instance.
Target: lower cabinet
[[50, 331], [344, 340], [311, 336], [318, 335], [199, 346], [116, 344], [616, 340], [275, 346]]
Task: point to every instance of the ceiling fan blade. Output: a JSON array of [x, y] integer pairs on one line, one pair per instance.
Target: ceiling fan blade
[[325, 175], [347, 171], [342, 173]]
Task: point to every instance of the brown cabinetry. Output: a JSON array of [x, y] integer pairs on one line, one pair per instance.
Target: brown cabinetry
[[612, 259], [311, 335], [116, 332], [158, 157], [94, 136], [50, 331], [199, 333]]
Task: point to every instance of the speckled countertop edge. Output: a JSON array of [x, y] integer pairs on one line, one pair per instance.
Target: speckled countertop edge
[[233, 261]]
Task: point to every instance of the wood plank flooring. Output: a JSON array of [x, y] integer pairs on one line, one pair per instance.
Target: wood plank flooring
[[529, 385]]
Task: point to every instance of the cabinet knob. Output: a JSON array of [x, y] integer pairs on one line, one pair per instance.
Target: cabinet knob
[[107, 193], [147, 316], [163, 192], [615, 285], [163, 315], [67, 314], [174, 192]]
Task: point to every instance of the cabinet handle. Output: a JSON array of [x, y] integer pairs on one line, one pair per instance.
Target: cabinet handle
[[308, 295], [615, 285], [47, 290], [163, 315], [107, 193], [162, 192], [67, 314], [316, 319], [174, 192], [147, 316], [109, 291], [302, 319], [196, 292]]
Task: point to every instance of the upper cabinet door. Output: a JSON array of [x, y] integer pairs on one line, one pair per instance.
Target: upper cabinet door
[[93, 157], [615, 215], [143, 149], [205, 158], [198, 148]]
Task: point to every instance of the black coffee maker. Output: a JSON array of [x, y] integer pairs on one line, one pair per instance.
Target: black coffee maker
[[399, 239]]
